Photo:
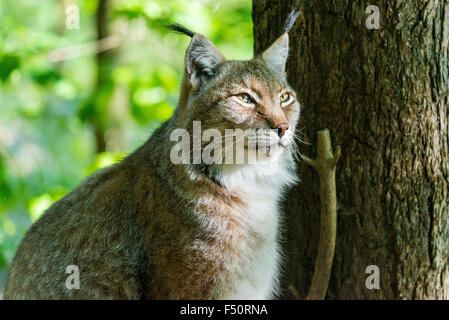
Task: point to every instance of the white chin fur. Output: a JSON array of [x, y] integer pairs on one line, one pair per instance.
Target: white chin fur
[[276, 170]]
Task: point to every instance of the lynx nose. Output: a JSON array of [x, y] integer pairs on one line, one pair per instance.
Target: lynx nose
[[281, 128]]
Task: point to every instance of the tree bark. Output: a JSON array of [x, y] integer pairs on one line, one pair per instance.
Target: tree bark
[[384, 96]]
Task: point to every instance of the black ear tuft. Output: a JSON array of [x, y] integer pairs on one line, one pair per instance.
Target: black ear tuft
[[276, 55], [180, 29], [291, 20], [202, 57]]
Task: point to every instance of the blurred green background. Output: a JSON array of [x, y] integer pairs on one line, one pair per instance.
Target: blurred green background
[[70, 104]]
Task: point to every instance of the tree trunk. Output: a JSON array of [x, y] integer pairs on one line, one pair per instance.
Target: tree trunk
[[384, 96], [103, 76]]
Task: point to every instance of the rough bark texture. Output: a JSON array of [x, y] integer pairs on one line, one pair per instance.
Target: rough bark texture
[[384, 96]]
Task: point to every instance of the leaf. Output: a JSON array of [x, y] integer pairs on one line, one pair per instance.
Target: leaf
[[8, 63], [45, 76]]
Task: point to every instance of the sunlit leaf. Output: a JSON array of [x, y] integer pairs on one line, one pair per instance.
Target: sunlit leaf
[[38, 205], [9, 227], [103, 160]]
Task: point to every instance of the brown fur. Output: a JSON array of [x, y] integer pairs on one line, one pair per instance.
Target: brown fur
[[138, 229]]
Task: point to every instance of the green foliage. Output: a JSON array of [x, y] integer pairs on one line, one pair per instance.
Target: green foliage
[[8, 63], [49, 109]]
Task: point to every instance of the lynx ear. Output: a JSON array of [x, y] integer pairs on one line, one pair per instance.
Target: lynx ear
[[276, 55], [202, 58]]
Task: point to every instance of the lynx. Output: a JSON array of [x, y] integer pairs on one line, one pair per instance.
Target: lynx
[[147, 228]]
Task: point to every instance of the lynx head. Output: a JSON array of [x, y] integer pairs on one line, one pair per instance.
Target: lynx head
[[253, 96]]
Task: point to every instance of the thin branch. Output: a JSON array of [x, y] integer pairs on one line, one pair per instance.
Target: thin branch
[[294, 292], [309, 161], [325, 164], [93, 47]]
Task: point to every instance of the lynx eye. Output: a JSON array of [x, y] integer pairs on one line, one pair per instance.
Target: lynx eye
[[245, 98], [284, 97]]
